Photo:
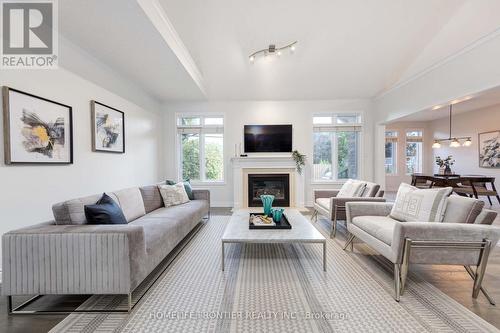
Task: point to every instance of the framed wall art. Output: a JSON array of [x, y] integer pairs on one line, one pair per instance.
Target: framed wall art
[[36, 130], [108, 128], [489, 149]]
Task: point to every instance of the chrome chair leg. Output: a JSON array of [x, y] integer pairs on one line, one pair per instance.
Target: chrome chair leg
[[481, 269], [405, 264], [483, 290], [314, 216], [397, 282], [350, 241]]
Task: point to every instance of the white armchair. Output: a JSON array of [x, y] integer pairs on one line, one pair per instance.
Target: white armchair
[[465, 238]]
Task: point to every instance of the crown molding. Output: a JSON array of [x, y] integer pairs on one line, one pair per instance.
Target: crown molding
[[156, 14]]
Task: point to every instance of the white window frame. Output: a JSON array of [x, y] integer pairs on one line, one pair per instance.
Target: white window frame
[[421, 153], [395, 151], [334, 115], [202, 132]]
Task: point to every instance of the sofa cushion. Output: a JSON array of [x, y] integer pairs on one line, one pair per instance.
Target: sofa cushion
[[104, 211], [487, 216], [424, 205], [173, 195], [351, 188], [159, 234], [324, 203], [370, 190], [187, 187], [151, 197], [380, 227], [130, 200], [462, 209], [73, 211], [194, 209]]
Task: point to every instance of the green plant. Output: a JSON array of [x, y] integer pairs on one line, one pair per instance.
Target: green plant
[[300, 160], [445, 162]]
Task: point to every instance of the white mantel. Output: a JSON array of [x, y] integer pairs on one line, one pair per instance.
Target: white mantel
[[242, 166]]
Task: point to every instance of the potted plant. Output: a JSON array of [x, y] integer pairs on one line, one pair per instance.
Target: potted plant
[[300, 160], [444, 164]]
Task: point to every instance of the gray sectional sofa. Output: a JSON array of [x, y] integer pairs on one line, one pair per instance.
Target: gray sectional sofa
[[69, 256]]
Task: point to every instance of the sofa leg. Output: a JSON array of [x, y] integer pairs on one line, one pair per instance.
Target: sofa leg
[[129, 302], [483, 290], [350, 241], [397, 282], [9, 304], [481, 268]]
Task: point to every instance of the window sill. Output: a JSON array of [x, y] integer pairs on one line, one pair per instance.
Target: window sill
[[207, 183]]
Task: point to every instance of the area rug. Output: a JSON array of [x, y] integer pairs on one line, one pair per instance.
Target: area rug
[[277, 288]]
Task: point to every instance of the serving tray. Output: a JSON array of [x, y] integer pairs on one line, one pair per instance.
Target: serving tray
[[283, 224]]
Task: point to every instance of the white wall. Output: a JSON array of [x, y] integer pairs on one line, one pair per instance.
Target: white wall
[[467, 124], [28, 191], [297, 113], [392, 182]]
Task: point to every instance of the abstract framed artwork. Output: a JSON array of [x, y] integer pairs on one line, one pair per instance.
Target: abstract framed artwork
[[36, 130], [108, 129], [489, 149]]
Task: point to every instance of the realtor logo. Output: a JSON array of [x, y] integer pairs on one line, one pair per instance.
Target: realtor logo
[[29, 34]]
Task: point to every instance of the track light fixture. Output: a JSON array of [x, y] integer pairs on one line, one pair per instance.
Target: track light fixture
[[272, 50]]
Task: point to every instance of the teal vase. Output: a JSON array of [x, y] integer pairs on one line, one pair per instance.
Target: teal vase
[[267, 201], [278, 214]]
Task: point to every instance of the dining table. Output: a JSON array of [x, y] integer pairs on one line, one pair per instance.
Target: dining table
[[465, 185]]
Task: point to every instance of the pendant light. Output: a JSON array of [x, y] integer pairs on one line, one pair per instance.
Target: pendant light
[[454, 141]]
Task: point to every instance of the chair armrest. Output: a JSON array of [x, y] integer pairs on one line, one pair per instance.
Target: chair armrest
[[71, 259], [341, 202], [202, 195], [325, 194], [354, 209], [435, 231], [338, 204]]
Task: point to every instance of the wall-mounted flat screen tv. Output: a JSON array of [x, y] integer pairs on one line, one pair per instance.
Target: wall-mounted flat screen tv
[[268, 138]]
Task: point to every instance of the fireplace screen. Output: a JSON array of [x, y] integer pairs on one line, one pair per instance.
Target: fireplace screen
[[274, 184]]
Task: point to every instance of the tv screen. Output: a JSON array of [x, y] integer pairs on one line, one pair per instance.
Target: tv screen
[[268, 138]]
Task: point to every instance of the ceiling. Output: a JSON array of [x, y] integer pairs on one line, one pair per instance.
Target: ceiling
[[484, 99], [346, 48], [119, 34]]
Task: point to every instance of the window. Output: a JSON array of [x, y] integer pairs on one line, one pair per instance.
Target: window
[[336, 140], [201, 149], [414, 151], [391, 148]]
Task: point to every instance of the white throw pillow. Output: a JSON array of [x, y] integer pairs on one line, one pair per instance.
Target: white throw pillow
[[420, 205], [173, 194], [351, 189]]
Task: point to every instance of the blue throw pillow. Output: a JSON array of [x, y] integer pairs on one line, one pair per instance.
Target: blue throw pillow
[[187, 187], [105, 211]]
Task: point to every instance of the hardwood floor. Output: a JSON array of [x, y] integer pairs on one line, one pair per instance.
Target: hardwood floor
[[452, 280]]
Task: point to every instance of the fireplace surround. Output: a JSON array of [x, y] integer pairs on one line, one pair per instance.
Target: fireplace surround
[[275, 184], [269, 164]]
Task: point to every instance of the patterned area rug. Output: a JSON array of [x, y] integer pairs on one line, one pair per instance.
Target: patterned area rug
[[277, 288]]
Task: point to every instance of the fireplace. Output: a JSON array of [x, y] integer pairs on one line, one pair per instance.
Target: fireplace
[[275, 184]]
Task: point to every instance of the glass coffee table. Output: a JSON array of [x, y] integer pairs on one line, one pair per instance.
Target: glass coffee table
[[302, 231]]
